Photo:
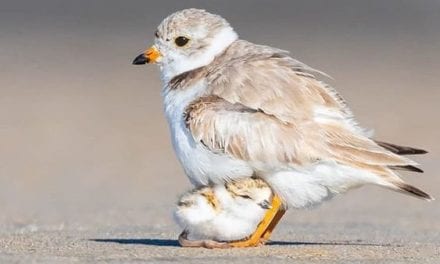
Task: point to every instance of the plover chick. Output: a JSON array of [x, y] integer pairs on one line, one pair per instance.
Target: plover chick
[[224, 212]]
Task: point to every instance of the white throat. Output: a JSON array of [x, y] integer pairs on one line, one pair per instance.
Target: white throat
[[182, 64]]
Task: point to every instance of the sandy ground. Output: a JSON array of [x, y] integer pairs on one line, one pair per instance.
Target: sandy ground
[[389, 229], [87, 172]]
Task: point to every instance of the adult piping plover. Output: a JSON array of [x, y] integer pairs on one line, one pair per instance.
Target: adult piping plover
[[237, 109], [223, 212]]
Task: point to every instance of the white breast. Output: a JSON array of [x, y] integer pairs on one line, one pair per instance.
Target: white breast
[[201, 165]]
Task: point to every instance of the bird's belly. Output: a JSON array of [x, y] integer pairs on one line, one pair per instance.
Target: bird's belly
[[315, 183], [201, 165]]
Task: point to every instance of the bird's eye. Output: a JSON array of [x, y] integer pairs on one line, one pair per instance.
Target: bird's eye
[[245, 196], [156, 34], [181, 41]]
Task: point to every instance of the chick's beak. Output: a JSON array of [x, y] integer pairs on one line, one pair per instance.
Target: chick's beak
[[265, 204], [151, 55]]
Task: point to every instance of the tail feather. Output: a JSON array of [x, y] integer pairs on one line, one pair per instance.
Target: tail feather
[[401, 150], [411, 190], [406, 168]]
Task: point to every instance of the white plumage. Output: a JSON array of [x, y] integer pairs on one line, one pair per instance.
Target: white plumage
[[223, 212], [200, 164]]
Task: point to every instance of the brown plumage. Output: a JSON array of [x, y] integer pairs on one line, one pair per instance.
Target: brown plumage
[[270, 117], [237, 110]]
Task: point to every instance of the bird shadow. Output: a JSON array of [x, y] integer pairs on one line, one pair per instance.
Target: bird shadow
[[331, 243], [174, 243]]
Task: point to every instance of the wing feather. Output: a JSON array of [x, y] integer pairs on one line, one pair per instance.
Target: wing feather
[[262, 108]]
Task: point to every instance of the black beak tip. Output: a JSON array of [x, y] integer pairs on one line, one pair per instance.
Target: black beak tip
[[140, 60]]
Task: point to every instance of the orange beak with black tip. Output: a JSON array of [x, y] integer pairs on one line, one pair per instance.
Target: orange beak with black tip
[[151, 55]]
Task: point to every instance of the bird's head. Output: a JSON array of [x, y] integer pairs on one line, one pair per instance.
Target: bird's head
[[197, 206], [251, 191], [186, 40]]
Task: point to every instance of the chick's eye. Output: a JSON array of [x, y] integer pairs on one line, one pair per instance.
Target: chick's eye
[[156, 34], [181, 41], [245, 196]]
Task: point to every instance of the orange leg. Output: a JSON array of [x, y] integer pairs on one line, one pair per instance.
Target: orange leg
[[265, 228], [272, 225]]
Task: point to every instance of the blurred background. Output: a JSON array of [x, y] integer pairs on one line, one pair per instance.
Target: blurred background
[[82, 131]]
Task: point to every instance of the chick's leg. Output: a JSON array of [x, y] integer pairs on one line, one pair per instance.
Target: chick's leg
[[185, 242], [266, 226]]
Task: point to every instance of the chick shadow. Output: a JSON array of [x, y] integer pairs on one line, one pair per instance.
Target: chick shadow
[[139, 241], [174, 243]]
